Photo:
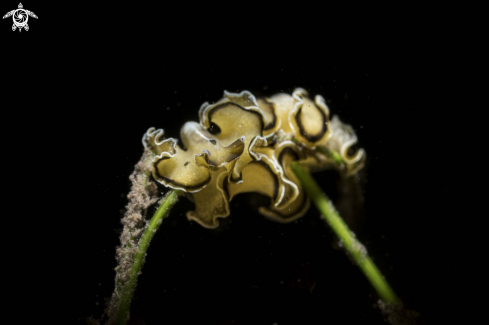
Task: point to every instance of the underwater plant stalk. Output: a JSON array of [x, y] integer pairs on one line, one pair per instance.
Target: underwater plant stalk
[[347, 238], [128, 291]]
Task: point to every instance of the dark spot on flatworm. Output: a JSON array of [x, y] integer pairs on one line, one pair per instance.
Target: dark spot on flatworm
[[188, 162], [224, 105], [214, 129], [213, 142], [352, 150]]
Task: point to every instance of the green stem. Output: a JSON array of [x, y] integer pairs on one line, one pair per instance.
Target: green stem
[[352, 245], [128, 290], [331, 154]]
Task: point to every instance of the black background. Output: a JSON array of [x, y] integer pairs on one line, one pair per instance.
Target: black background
[[82, 92]]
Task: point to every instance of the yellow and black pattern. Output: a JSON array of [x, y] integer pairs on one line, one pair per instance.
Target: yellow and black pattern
[[246, 144]]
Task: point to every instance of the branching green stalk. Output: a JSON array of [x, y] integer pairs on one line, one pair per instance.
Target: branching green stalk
[[347, 238], [128, 290]]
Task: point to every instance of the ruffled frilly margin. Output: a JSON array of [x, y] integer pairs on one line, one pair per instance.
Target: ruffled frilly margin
[[244, 144]]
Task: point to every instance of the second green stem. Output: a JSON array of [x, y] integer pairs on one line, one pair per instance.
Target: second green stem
[[351, 244], [128, 290]]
